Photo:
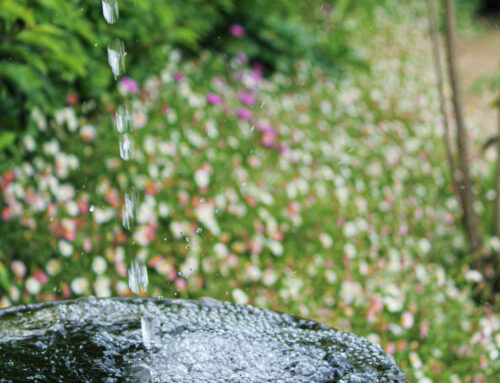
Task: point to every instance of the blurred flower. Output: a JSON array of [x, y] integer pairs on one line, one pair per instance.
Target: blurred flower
[[237, 30], [79, 285], [29, 143], [239, 296], [128, 86], [473, 276], [87, 132], [33, 286], [99, 265], [72, 98], [19, 269], [214, 99], [65, 248], [407, 320], [179, 77], [244, 114], [247, 98]]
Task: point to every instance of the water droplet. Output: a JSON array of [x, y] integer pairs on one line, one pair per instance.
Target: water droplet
[[138, 277], [116, 57], [199, 230], [123, 119], [126, 146], [129, 210], [110, 10], [202, 200], [91, 208]]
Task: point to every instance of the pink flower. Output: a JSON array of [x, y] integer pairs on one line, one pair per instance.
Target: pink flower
[[244, 114], [407, 320], [7, 213], [41, 277], [269, 136], [237, 30], [179, 77], [214, 99], [390, 348], [180, 284], [19, 269], [129, 85], [87, 245], [247, 98]]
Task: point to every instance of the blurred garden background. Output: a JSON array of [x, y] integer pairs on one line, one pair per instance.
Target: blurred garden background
[[288, 154]]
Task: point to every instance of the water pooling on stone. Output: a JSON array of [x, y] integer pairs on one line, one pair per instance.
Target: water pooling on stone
[[195, 341]]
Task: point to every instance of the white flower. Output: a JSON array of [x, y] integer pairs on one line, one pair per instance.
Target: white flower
[[51, 148], [202, 178], [79, 285], [424, 245], [326, 240], [275, 247], [220, 250], [29, 143], [101, 287], [14, 293], [65, 248], [393, 304], [72, 208], [99, 265], [33, 286], [349, 229], [103, 215], [239, 296], [87, 132], [253, 273], [163, 210], [53, 267], [349, 291], [473, 276], [269, 277], [205, 215], [331, 276], [415, 360], [495, 243], [350, 250]]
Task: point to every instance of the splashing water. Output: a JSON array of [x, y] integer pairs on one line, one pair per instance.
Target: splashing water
[[99, 340], [110, 10], [138, 273], [126, 146], [138, 277], [116, 57], [123, 119], [129, 210]]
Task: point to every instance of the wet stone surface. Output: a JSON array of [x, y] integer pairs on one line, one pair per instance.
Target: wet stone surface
[[100, 340]]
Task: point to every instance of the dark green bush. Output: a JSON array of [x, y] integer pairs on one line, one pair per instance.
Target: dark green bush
[[50, 48]]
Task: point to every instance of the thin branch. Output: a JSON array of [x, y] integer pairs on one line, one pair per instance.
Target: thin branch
[[465, 184], [436, 48]]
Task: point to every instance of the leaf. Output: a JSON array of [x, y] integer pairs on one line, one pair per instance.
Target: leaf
[[13, 11], [6, 139], [4, 277]]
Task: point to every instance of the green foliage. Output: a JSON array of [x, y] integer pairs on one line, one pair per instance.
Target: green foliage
[[50, 48]]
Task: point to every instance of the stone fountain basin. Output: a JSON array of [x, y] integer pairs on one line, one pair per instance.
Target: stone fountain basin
[[101, 340]]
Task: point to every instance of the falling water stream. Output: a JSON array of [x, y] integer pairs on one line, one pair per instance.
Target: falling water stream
[[123, 121]]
